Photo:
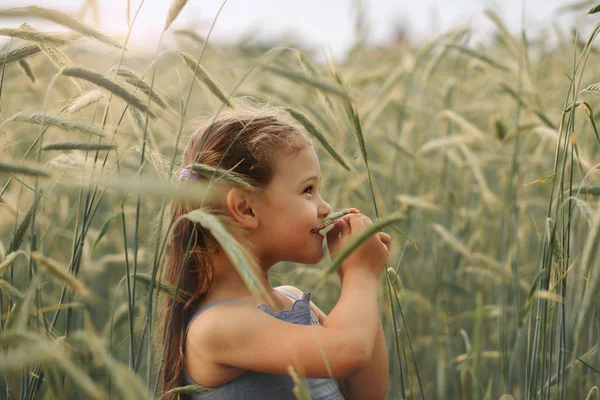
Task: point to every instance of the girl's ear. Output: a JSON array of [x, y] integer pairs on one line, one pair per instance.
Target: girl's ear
[[239, 204]]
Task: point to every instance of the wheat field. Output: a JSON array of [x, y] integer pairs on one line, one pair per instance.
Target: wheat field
[[479, 158]]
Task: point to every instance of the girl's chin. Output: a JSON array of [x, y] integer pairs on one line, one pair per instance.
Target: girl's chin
[[317, 257], [310, 253], [313, 258], [313, 261]]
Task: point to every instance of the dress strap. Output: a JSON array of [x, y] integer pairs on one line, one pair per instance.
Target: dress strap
[[205, 307], [286, 293]]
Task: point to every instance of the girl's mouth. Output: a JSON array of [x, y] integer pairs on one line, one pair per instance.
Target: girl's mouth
[[313, 233]]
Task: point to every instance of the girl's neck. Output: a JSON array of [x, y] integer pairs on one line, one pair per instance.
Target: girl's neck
[[228, 284]]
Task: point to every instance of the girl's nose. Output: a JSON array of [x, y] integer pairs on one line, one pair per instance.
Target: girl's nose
[[324, 209]]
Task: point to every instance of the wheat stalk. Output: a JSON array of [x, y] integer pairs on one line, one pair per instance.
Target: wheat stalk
[[86, 146], [60, 272], [26, 33], [191, 35], [330, 220], [19, 53], [317, 134], [302, 78], [48, 44], [81, 101], [25, 224], [203, 76], [56, 56], [134, 80], [108, 84], [12, 168], [174, 11], [9, 260], [182, 295], [27, 69], [60, 19], [51, 120], [11, 291]]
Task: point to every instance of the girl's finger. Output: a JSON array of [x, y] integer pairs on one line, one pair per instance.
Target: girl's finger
[[355, 222], [335, 230], [366, 220], [341, 226], [386, 239]]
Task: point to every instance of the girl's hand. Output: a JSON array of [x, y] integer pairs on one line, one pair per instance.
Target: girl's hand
[[339, 270], [372, 254]]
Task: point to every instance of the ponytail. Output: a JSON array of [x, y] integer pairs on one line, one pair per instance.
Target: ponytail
[[196, 278]]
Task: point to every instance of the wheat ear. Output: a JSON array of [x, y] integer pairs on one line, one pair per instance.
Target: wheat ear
[[330, 220]]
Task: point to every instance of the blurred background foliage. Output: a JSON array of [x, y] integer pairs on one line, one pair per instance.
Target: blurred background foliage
[[494, 275]]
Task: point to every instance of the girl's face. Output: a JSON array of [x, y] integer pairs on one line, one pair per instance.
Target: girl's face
[[289, 208]]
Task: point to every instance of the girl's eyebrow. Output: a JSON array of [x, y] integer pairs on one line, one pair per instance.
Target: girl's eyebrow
[[311, 178]]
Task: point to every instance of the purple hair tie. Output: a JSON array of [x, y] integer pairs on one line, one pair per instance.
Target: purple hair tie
[[188, 174]]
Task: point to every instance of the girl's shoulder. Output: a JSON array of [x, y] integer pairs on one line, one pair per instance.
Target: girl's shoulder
[[207, 313], [247, 338]]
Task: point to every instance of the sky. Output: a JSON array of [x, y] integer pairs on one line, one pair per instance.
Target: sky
[[324, 24]]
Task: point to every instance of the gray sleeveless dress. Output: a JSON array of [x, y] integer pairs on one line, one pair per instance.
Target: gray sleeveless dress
[[259, 386]]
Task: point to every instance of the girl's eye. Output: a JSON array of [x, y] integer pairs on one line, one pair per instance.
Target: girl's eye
[[309, 188]]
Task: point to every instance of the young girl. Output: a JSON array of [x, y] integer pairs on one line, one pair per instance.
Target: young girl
[[240, 346]]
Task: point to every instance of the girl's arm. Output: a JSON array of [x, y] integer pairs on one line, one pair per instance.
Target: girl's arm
[[372, 381], [247, 338]]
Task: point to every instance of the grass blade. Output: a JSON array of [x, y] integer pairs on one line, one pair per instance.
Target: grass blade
[[357, 241], [230, 245], [596, 370], [105, 227], [209, 172], [189, 389]]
